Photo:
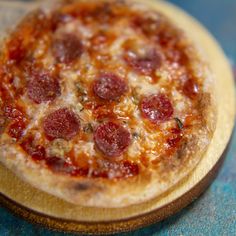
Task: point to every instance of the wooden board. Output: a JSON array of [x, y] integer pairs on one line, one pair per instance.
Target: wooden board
[[40, 207]]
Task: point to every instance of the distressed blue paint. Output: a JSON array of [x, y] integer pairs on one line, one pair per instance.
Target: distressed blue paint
[[215, 212]]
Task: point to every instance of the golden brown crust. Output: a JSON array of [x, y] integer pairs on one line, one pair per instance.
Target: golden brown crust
[[102, 192], [119, 193]]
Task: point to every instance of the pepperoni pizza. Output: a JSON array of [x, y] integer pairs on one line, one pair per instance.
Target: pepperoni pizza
[[103, 103]]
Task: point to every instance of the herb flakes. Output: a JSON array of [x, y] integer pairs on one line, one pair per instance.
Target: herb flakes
[[179, 123], [88, 128]]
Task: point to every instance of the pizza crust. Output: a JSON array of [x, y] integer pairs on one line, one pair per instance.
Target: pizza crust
[[103, 193]]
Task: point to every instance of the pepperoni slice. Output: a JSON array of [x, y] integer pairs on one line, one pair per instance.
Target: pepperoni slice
[[12, 112], [190, 88], [112, 139], [146, 64], [37, 152], [67, 48], [16, 128], [43, 88], [18, 121], [62, 123], [156, 108], [109, 86]]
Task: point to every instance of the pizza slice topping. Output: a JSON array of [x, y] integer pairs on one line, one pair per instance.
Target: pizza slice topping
[[43, 87], [109, 86], [16, 119], [62, 123], [66, 48], [145, 64], [16, 50], [112, 139], [37, 152], [156, 108], [191, 88]]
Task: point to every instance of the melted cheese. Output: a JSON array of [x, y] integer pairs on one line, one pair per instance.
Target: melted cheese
[[149, 142]]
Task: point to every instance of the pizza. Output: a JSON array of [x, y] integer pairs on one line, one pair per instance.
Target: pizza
[[103, 103]]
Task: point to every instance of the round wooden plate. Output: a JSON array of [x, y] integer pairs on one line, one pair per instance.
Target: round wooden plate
[[39, 207]]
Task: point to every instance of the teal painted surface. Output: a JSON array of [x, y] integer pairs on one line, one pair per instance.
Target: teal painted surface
[[214, 213]]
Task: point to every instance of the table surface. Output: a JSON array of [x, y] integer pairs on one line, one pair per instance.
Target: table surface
[[214, 213]]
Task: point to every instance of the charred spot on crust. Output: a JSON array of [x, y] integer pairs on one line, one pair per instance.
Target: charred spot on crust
[[181, 152], [187, 147], [82, 186]]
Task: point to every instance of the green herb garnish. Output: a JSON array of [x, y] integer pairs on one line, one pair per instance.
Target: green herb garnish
[[135, 96], [80, 107], [81, 89], [135, 135], [88, 128], [179, 123]]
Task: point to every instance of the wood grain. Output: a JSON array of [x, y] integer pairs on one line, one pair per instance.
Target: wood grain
[[42, 208]]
